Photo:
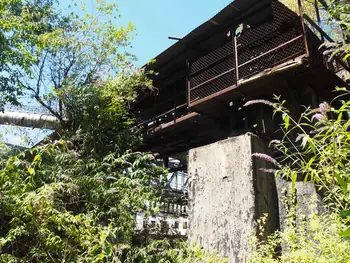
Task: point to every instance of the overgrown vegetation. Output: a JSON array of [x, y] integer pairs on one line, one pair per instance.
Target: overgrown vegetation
[[21, 24], [316, 150], [75, 199], [59, 207], [306, 238], [172, 252]]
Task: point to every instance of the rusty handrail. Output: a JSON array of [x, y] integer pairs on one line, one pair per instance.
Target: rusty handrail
[[301, 15], [163, 114], [239, 66], [271, 50], [226, 56]]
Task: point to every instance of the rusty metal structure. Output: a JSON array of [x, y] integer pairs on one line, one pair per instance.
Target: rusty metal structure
[[251, 49]]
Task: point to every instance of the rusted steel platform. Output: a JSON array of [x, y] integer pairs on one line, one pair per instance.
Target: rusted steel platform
[[251, 49]]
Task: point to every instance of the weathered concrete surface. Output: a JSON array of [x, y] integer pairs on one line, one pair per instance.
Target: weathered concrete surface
[[306, 198], [227, 193]]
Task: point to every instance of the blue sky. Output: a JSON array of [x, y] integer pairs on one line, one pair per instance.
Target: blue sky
[[154, 20]]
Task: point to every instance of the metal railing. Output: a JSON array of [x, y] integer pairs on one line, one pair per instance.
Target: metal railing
[[245, 55], [266, 46], [149, 126], [274, 42]]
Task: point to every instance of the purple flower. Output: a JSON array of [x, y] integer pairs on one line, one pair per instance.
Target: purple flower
[[61, 188], [149, 172], [252, 102], [151, 157], [266, 158], [324, 108], [99, 180], [319, 117]]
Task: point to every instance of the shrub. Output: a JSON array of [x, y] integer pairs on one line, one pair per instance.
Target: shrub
[[306, 239], [316, 149], [167, 251], [59, 207]]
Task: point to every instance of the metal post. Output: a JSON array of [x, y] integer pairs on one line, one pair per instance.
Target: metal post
[[301, 14], [174, 112], [188, 84], [234, 40]]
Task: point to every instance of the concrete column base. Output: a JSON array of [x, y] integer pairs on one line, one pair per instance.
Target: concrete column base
[[227, 193]]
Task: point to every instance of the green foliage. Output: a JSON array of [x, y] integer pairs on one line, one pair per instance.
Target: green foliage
[[166, 251], [87, 50], [59, 207], [85, 77], [308, 7], [339, 13], [97, 116], [76, 65], [21, 24], [305, 239], [316, 149]]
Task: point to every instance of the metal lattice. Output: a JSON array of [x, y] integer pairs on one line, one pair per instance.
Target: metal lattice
[[214, 86], [225, 50], [204, 80], [272, 43]]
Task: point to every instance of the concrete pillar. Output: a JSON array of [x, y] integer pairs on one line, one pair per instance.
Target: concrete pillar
[[227, 193]]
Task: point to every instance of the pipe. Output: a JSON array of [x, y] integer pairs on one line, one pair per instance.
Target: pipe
[[31, 120]]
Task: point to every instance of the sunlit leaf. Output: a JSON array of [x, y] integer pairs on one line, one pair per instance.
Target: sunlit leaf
[[345, 233]]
